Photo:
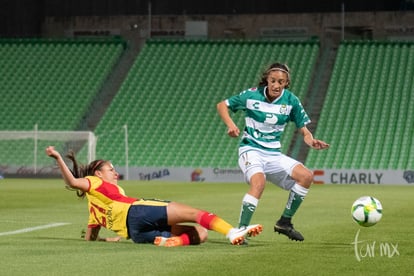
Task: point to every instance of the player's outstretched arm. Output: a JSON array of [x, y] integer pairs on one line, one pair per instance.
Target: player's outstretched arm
[[76, 183], [312, 142]]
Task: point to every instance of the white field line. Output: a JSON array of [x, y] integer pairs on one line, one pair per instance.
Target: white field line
[[30, 229]]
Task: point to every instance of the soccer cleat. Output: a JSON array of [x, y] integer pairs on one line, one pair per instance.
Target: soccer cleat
[[168, 242], [254, 230], [237, 235], [160, 241], [288, 230]]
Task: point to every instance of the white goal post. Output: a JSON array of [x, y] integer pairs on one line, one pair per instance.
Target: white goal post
[[22, 153]]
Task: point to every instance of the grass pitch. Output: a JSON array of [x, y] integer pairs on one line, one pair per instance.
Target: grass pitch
[[32, 243]]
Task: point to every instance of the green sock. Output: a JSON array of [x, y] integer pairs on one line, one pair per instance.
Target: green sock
[[246, 214], [248, 207], [296, 197]]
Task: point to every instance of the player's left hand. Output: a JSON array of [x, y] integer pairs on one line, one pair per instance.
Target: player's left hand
[[319, 144], [113, 239]]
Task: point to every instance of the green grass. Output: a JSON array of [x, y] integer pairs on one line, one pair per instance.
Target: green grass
[[324, 220]]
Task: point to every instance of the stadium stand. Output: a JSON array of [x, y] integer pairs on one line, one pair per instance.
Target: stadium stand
[[50, 83], [368, 111], [168, 100]]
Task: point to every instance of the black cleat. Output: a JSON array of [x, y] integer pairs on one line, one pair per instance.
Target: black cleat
[[289, 231]]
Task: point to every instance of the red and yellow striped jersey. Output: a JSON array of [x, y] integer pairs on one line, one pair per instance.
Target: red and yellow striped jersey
[[108, 206]]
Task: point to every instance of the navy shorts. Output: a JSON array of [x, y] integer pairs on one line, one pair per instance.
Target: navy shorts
[[147, 219]]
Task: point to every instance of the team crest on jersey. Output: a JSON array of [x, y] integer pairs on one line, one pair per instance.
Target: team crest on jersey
[[283, 109]]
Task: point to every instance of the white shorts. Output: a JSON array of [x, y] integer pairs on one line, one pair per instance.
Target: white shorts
[[277, 167]]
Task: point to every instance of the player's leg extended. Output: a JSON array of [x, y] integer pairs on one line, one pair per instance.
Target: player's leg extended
[[181, 213]]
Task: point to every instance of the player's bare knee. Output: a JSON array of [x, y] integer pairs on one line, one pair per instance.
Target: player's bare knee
[[305, 179], [308, 178]]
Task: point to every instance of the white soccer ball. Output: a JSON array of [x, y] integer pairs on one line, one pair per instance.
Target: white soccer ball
[[366, 211]]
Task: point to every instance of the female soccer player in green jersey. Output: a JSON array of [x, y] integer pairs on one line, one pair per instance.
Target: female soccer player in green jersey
[[142, 220], [268, 108]]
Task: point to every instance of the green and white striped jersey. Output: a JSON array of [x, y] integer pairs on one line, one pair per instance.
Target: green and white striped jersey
[[266, 121]]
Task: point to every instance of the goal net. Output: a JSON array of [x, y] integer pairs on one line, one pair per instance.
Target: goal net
[[22, 153]]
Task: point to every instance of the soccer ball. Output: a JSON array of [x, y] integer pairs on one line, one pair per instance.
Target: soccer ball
[[366, 211]]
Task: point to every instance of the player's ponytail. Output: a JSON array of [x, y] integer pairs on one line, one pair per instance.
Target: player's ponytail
[[79, 170]]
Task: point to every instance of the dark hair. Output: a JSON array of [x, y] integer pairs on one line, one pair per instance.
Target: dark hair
[[275, 67], [79, 170]]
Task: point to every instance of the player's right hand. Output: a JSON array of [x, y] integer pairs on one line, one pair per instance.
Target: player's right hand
[[233, 131]]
